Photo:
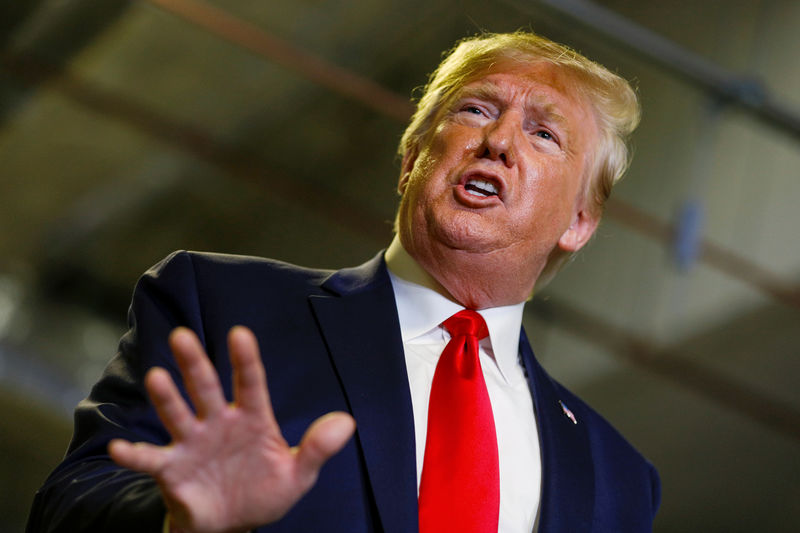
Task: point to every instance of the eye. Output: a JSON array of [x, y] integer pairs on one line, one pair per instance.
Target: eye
[[547, 135], [473, 113], [473, 109]]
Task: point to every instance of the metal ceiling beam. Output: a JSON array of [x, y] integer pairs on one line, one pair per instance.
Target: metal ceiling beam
[[672, 365], [314, 68], [193, 140], [745, 91], [53, 32], [710, 253]]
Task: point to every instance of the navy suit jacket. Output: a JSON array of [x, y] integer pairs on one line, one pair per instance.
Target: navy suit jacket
[[329, 341]]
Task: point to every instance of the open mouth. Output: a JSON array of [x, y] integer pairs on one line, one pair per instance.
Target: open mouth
[[479, 187]]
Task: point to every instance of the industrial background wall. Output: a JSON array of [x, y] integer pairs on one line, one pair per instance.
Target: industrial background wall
[[130, 129]]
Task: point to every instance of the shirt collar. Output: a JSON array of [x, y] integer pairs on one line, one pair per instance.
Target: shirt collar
[[421, 309]]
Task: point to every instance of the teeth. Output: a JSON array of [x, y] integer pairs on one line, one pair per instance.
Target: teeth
[[481, 187]]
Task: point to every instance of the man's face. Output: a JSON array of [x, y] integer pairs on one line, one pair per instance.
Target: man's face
[[503, 172]]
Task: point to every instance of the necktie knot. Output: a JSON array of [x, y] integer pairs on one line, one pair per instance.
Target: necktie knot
[[466, 322]]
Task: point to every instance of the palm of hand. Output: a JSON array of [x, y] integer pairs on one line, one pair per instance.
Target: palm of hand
[[228, 467]]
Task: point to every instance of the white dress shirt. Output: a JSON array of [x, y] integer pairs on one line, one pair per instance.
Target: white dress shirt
[[421, 311]]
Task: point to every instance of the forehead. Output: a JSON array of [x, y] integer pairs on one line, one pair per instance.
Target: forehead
[[539, 83]]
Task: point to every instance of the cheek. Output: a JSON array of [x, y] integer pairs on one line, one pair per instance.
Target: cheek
[[426, 164], [429, 173], [549, 204], [452, 140]]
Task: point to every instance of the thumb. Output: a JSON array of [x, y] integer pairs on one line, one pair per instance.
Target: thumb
[[326, 436]]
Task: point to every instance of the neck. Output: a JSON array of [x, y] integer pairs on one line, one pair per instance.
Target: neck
[[406, 267], [476, 281]]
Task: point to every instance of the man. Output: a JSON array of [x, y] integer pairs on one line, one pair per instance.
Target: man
[[505, 167]]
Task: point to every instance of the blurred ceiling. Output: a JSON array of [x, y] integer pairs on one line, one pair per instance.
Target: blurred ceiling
[[130, 129]]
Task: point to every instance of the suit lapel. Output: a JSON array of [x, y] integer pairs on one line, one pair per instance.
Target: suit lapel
[[360, 326], [567, 471]]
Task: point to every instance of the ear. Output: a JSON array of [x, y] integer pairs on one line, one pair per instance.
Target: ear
[[405, 169], [580, 231]]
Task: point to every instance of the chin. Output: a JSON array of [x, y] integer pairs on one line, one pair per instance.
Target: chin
[[469, 239]]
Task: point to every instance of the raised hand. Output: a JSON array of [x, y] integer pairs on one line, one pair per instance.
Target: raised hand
[[228, 467]]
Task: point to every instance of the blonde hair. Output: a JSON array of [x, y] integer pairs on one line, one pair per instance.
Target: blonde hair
[[613, 100]]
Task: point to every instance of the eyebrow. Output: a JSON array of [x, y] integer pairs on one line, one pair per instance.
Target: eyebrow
[[543, 108]]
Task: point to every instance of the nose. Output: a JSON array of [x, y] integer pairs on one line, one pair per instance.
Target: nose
[[500, 140]]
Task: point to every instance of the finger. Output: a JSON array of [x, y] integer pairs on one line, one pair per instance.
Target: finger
[[140, 456], [169, 404], [249, 379], [326, 436], [199, 375]]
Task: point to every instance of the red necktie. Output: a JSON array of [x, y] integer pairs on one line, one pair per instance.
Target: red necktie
[[460, 486]]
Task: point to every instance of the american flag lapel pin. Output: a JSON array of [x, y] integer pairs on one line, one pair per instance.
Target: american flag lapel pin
[[567, 412]]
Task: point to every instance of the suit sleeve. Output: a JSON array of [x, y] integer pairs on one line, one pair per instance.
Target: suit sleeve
[[655, 483], [88, 491]]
